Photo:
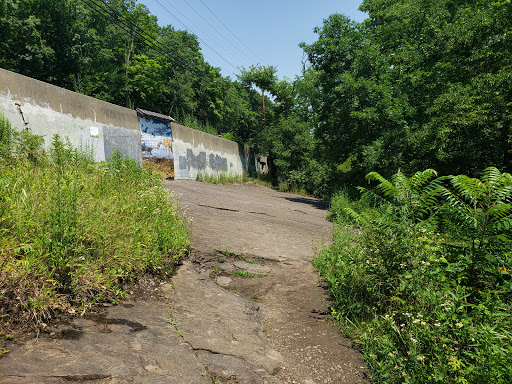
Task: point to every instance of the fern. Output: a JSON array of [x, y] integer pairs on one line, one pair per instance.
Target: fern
[[414, 197], [478, 214]]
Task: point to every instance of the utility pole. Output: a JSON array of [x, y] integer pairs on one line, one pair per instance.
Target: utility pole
[[263, 102]]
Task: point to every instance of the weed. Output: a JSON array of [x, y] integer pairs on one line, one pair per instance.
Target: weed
[[172, 321], [221, 178], [178, 332], [229, 254], [74, 233], [265, 180], [192, 122], [251, 261], [246, 274]]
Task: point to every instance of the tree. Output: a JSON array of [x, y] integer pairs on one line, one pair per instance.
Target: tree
[[359, 109]]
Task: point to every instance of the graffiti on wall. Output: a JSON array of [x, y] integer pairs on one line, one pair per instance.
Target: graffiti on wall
[[201, 161], [156, 138]]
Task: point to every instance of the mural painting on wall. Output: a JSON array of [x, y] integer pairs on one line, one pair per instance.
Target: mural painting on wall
[[156, 143]]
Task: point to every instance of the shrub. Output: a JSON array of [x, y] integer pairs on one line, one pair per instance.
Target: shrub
[[421, 278]]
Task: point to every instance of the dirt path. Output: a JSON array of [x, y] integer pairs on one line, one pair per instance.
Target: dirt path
[[247, 308]]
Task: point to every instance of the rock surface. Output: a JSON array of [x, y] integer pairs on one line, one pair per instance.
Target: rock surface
[[248, 307]]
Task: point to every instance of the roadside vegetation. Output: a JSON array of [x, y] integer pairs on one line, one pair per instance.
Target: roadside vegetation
[[74, 233], [224, 178], [420, 272]]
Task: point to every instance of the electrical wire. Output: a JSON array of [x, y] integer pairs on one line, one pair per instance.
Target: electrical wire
[[199, 29], [124, 24], [134, 28], [216, 30], [206, 44], [259, 58]]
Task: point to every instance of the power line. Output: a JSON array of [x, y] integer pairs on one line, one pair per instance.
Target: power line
[[259, 58], [218, 54], [199, 29], [215, 29], [115, 16]]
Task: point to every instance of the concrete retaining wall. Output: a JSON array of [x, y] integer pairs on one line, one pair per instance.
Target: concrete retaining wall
[[198, 152], [47, 110]]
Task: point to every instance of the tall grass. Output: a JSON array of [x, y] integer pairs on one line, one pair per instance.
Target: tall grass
[[224, 178], [221, 178], [420, 276], [73, 232]]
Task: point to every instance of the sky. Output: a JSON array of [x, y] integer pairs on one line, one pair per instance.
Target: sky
[[236, 34]]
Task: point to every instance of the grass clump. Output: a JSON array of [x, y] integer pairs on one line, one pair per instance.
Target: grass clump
[[74, 232], [420, 276], [222, 178], [245, 274]]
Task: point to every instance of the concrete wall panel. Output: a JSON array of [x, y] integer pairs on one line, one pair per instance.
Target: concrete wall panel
[[197, 152], [47, 110]]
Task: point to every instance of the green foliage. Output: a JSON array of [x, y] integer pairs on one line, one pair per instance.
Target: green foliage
[[414, 197], [192, 122], [262, 77], [245, 274], [19, 145], [222, 178], [417, 84], [7, 136], [75, 232], [411, 285], [478, 216]]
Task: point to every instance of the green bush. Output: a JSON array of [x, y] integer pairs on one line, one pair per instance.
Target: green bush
[[74, 232], [421, 279]]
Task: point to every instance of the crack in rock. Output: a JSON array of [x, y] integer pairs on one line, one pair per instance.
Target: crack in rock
[[235, 210], [79, 378], [221, 327]]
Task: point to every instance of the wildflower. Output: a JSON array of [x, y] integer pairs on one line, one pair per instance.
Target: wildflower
[[420, 358], [460, 325], [414, 340], [437, 324]]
